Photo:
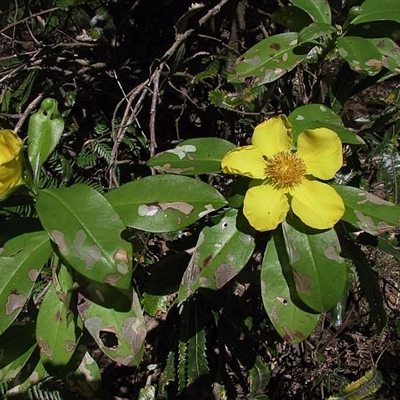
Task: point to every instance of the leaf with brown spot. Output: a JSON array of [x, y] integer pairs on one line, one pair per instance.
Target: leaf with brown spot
[[220, 254], [21, 261]]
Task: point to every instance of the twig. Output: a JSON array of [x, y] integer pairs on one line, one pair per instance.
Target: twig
[[27, 111]]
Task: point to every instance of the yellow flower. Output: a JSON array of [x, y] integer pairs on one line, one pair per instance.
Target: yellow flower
[[283, 179], [10, 160]]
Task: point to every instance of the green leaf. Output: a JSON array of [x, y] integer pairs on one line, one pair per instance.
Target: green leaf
[[367, 211], [315, 31], [164, 203], [17, 345], [192, 157], [293, 18], [291, 322], [319, 10], [361, 54], [87, 231], [32, 373], [390, 52], [120, 335], [221, 253], [58, 327], [313, 116], [268, 60], [197, 365], [44, 132], [259, 376], [21, 261], [319, 272], [373, 10]]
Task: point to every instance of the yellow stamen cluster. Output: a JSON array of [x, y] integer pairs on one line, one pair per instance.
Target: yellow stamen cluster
[[285, 169]]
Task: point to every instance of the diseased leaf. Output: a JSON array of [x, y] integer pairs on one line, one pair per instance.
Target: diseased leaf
[[319, 272], [221, 253], [120, 335], [361, 54], [58, 326], [17, 345], [21, 261], [268, 60], [367, 211], [164, 203], [192, 157], [313, 116], [87, 231], [291, 322]]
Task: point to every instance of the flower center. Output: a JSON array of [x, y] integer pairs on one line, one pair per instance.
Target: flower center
[[285, 169]]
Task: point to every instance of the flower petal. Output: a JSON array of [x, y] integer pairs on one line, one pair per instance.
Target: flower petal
[[246, 161], [273, 136], [321, 150], [265, 207], [317, 204], [10, 145]]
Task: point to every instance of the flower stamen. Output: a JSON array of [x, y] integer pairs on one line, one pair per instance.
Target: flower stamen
[[285, 169]]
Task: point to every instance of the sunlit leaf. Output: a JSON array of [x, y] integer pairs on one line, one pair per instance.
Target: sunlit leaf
[[120, 335], [192, 157], [21, 261], [361, 54], [291, 322], [319, 272], [87, 231], [268, 60], [164, 203], [221, 253], [319, 10], [367, 211]]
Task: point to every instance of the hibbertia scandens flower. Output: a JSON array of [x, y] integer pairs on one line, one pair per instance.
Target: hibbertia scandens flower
[[284, 179]]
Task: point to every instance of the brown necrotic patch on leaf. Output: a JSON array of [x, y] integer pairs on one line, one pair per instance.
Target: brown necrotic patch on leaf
[[58, 238], [121, 255], [333, 253], [112, 279], [303, 282], [44, 347], [90, 255], [183, 207], [70, 346], [15, 302], [224, 273], [33, 274], [135, 333]]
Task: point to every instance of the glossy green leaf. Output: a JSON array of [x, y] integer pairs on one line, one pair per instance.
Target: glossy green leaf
[[319, 10], [268, 60], [367, 211], [120, 335], [313, 116], [319, 272], [164, 203], [291, 322], [373, 10], [361, 54], [16, 347], [221, 253], [44, 132], [315, 31], [390, 52], [58, 326], [192, 157], [21, 261], [87, 231]]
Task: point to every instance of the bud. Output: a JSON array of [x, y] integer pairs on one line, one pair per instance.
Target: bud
[[10, 161]]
